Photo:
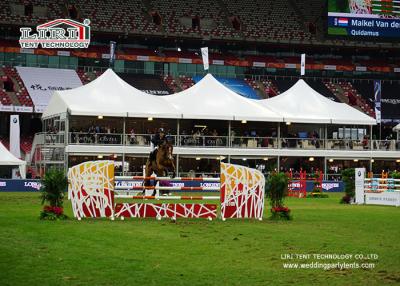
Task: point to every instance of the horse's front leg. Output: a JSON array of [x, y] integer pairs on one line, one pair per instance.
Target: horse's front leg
[[173, 169]]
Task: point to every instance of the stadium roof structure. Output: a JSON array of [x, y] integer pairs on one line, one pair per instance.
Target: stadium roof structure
[[210, 99], [302, 104], [109, 95], [8, 159]]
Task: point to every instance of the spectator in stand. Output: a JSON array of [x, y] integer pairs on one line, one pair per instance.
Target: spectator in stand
[[132, 136], [314, 139], [365, 142]]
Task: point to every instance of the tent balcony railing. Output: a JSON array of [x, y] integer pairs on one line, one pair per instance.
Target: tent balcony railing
[[386, 145], [244, 142]]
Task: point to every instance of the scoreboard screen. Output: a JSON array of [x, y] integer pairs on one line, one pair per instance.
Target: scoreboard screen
[[364, 18]]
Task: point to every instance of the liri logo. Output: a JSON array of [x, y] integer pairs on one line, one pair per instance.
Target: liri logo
[[57, 34]]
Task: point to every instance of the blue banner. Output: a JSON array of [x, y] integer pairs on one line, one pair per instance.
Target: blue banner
[[8, 185], [343, 24], [327, 186]]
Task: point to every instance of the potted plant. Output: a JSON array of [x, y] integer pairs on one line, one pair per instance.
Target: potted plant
[[348, 177], [54, 184], [277, 190]]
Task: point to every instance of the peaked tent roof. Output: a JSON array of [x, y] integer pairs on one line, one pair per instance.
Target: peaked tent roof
[[8, 159], [109, 95], [397, 127], [303, 104], [210, 99]]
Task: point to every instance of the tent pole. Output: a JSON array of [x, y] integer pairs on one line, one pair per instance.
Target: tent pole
[[177, 165], [325, 169], [123, 145], [278, 163], [178, 125], [229, 134], [279, 135], [66, 141], [370, 164], [370, 137]]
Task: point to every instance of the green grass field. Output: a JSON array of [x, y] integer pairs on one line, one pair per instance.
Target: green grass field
[[196, 252]]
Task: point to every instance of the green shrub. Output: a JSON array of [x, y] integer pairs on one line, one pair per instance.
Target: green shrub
[[395, 175], [54, 184], [348, 177], [277, 190]]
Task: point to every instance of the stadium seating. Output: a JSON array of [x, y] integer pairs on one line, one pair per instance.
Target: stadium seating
[[172, 84], [5, 142], [19, 88], [5, 98], [267, 19], [258, 19], [152, 84], [186, 81], [271, 89], [26, 144], [181, 19], [256, 86], [321, 88], [346, 93]]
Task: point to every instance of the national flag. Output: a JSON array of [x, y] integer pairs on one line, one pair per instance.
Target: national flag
[[344, 22]]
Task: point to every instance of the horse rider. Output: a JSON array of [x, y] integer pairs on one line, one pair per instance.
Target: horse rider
[[157, 140]]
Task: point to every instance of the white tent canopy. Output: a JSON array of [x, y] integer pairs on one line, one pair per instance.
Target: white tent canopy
[[8, 159], [397, 128], [210, 99], [109, 95], [302, 104]]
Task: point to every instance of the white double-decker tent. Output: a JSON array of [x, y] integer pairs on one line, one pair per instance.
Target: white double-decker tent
[[109, 95]]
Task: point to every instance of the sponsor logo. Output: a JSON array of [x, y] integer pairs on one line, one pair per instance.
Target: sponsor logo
[[209, 185], [329, 186], [56, 34], [3, 184], [15, 120], [33, 185], [128, 183]]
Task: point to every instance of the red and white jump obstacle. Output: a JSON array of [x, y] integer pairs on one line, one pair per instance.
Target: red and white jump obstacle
[[92, 192], [376, 191]]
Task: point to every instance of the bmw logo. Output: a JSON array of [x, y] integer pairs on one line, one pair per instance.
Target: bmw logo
[[15, 120]]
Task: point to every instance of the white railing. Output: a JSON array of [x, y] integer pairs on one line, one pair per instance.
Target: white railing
[[208, 141]]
